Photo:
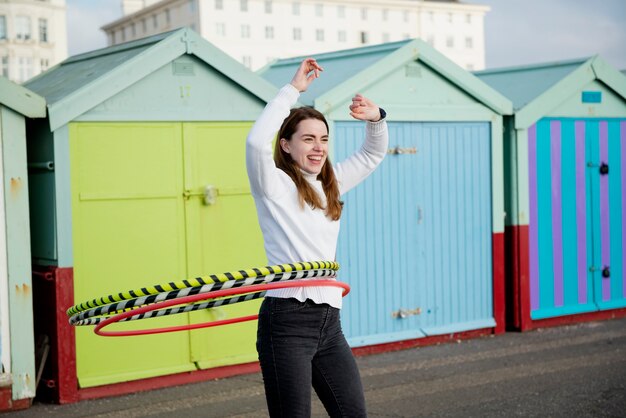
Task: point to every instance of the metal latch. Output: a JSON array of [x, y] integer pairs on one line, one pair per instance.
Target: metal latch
[[209, 194], [398, 150], [405, 313], [606, 271], [604, 167]]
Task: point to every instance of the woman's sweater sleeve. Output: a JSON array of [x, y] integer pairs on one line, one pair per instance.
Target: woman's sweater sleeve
[[262, 171], [362, 163]]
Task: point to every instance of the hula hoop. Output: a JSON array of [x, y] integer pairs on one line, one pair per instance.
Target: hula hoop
[[202, 281], [193, 298], [86, 317], [174, 311]]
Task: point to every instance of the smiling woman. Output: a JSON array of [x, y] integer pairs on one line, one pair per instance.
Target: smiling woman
[[297, 196]]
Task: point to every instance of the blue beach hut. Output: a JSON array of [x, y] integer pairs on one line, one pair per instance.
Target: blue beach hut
[[422, 240]]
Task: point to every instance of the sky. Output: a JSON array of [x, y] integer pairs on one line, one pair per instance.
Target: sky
[[517, 32]]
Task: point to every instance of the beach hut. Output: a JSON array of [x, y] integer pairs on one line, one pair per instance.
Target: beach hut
[[17, 347], [422, 241], [144, 183], [565, 156]]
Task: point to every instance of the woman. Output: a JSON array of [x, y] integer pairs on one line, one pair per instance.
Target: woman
[[297, 192]]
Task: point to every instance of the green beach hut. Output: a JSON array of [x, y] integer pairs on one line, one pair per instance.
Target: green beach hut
[[136, 135], [422, 239], [17, 347], [565, 159]]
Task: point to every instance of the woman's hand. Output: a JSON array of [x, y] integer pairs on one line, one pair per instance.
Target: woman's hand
[[363, 108], [308, 71]]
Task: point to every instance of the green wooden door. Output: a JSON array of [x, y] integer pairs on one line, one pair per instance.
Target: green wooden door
[[140, 219], [128, 232], [222, 236]]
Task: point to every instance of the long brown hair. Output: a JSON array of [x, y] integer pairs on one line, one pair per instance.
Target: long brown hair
[[283, 160]]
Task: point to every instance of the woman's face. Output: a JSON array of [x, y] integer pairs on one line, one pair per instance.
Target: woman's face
[[308, 146]]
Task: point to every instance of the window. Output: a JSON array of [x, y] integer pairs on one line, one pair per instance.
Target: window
[[5, 66], [319, 35], [341, 36], [295, 8], [155, 21], [133, 30], [268, 6], [168, 17], [192, 6], [319, 10], [450, 17], [385, 14], [364, 13], [386, 37], [243, 5], [341, 11], [269, 32], [123, 34], [43, 30], [431, 17], [245, 31], [22, 28], [219, 4], [25, 68], [220, 29], [469, 42], [3, 28], [450, 42], [144, 26], [364, 37], [297, 34], [44, 63], [468, 18], [247, 61]]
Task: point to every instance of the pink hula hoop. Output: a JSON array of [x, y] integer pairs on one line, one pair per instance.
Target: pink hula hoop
[[204, 296]]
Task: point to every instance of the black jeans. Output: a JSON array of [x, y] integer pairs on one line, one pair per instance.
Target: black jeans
[[301, 344]]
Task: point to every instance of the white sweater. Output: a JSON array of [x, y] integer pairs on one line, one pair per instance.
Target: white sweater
[[292, 233]]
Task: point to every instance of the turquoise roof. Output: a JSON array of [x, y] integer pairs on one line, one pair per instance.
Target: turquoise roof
[[79, 70], [83, 81], [525, 83], [338, 65], [348, 70]]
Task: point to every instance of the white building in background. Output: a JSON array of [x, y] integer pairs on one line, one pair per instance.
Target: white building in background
[[33, 37], [257, 31]]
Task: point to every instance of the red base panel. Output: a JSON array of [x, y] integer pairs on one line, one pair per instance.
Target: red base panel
[[499, 282], [578, 318], [53, 292], [8, 404]]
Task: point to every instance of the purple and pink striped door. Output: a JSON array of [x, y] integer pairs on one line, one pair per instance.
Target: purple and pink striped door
[[577, 176]]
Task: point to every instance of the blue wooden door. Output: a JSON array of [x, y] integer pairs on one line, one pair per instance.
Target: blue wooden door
[[415, 241], [576, 230]]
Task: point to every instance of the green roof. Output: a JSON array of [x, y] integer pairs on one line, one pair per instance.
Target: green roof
[[83, 81], [523, 84], [348, 70]]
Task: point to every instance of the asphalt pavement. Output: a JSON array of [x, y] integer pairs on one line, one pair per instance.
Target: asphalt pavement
[[569, 371]]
